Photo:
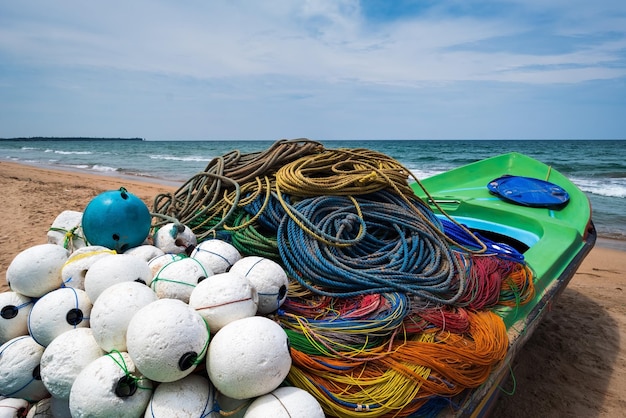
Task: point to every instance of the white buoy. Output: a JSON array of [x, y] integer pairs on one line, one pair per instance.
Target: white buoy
[[108, 271], [13, 407], [66, 230], [37, 270], [19, 369], [224, 298], [216, 254], [248, 357], [160, 261], [114, 309], [76, 267], [285, 402], [167, 339], [191, 396], [14, 310], [111, 387], [65, 357], [175, 238], [269, 279], [146, 252], [177, 279], [58, 311]]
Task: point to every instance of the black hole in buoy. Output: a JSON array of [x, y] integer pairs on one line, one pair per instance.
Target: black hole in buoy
[[142, 281], [115, 237], [9, 312], [126, 386], [282, 292], [180, 228], [187, 360], [74, 316], [201, 278], [37, 373], [123, 194], [190, 249]]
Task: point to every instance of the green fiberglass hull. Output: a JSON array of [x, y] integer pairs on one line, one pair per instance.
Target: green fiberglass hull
[[554, 242]]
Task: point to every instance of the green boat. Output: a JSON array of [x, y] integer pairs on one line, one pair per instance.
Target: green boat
[[553, 240]]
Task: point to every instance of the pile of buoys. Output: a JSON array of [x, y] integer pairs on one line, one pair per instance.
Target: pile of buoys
[[263, 287], [156, 331]]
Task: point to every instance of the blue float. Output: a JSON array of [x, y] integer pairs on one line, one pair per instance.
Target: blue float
[[116, 219]]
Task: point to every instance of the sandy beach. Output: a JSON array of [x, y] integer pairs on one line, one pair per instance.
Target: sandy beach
[[573, 366]]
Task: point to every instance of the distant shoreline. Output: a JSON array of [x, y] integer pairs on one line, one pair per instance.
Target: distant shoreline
[[72, 138]]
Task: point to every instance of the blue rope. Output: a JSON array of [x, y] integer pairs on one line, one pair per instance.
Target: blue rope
[[397, 250], [462, 237], [272, 214]]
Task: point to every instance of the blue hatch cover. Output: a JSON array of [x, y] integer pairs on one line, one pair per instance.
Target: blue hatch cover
[[529, 191]]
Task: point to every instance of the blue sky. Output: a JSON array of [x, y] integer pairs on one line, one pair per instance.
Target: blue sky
[[327, 69]]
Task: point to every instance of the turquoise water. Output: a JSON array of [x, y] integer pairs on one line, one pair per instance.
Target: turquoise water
[[598, 167]]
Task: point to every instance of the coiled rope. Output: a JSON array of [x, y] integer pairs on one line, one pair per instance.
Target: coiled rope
[[200, 200], [376, 246]]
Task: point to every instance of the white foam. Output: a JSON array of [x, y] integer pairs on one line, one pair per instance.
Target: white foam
[[175, 158], [602, 187]]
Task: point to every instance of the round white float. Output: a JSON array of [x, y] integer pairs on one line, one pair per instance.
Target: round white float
[[58, 311], [160, 261], [108, 271], [146, 252], [177, 279], [19, 369], [114, 309], [14, 310], [224, 298], [65, 357], [216, 254], [167, 339], [66, 230], [269, 279], [13, 407], [285, 402], [175, 238], [110, 386], [76, 267], [37, 270], [248, 357], [191, 396]]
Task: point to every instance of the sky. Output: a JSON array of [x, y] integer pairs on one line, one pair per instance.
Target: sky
[[321, 69]]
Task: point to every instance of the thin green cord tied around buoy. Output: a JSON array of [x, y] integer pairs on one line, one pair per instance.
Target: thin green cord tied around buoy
[[127, 385]]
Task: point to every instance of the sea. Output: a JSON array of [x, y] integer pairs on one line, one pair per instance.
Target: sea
[[597, 167]]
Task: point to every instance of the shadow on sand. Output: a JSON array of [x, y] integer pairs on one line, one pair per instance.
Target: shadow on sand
[[565, 367]]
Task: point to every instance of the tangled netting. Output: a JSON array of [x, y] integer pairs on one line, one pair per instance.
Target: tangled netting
[[392, 310]]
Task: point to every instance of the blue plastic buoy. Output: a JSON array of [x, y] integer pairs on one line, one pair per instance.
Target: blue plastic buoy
[[116, 219]]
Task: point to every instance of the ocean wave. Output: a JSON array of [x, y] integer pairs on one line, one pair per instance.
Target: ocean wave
[[422, 173], [71, 152], [179, 158], [603, 187], [103, 168]]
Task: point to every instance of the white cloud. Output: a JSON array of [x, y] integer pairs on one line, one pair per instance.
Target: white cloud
[[216, 67]]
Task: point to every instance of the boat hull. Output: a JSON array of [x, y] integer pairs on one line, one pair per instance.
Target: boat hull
[[554, 242]]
